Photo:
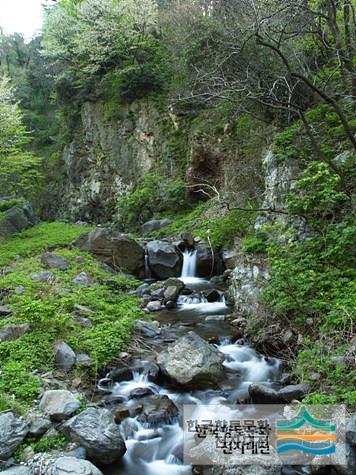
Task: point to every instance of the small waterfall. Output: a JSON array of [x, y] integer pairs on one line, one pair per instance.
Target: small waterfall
[[148, 272], [189, 268]]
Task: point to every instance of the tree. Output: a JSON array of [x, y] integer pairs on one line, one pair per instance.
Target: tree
[[86, 39], [19, 169]]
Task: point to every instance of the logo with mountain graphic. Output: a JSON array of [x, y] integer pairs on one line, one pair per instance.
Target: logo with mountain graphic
[[307, 434]]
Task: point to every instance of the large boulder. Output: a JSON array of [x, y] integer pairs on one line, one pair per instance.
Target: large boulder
[[164, 259], [96, 431], [59, 404], [192, 362], [207, 263], [16, 219], [115, 249], [13, 430]]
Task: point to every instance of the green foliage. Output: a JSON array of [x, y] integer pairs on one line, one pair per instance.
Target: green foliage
[[17, 381], [336, 382], [8, 204], [154, 196], [47, 307], [314, 278], [317, 194], [44, 444], [88, 39], [293, 143], [216, 225], [19, 169], [255, 243], [37, 239]]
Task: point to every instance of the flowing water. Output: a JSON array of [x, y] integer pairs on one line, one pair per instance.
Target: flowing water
[[157, 450]]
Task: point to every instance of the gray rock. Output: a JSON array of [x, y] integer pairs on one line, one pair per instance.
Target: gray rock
[[154, 306], [44, 276], [79, 453], [27, 453], [13, 331], [121, 374], [206, 263], [149, 329], [59, 404], [83, 322], [192, 362], [157, 293], [20, 289], [115, 249], [188, 240], [82, 279], [172, 281], [143, 290], [17, 471], [64, 357], [287, 337], [17, 219], [140, 392], [72, 466], [171, 293], [13, 430], [158, 410], [351, 429], [38, 426], [230, 258], [82, 310], [96, 431], [83, 360], [164, 259], [155, 224], [5, 310], [53, 261], [263, 394], [296, 391]]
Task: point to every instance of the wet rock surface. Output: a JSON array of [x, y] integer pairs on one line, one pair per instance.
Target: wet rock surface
[[164, 259], [158, 410], [193, 362]]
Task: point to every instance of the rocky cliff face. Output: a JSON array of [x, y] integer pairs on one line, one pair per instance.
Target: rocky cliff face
[[107, 156], [250, 273]]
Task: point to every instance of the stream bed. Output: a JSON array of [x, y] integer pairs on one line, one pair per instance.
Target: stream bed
[[156, 448]]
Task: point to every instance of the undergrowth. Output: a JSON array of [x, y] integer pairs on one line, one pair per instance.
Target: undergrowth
[[47, 307]]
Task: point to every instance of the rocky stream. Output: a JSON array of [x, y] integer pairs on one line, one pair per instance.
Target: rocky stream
[[191, 351]]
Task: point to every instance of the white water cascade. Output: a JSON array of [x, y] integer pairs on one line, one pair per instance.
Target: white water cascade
[[189, 268], [157, 449]]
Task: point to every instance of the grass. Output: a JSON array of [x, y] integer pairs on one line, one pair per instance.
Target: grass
[[37, 239], [48, 307], [210, 223]]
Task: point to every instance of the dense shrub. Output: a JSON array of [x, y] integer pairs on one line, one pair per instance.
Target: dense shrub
[[153, 196]]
